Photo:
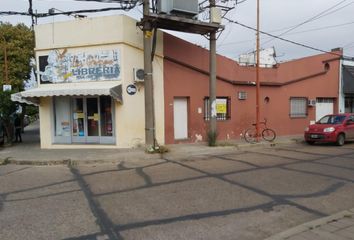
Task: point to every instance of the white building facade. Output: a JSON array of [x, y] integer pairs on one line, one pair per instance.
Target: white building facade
[[86, 93]]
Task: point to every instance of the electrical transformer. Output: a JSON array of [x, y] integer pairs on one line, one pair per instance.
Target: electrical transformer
[[185, 8]]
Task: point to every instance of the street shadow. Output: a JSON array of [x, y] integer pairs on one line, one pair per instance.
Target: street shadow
[[111, 230]]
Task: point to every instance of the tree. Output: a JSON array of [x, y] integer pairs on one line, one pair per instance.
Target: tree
[[7, 109], [18, 42], [16, 51]]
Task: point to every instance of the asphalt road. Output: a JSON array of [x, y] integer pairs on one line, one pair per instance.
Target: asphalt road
[[248, 194]]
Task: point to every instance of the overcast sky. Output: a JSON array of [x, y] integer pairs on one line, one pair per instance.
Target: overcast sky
[[329, 24]]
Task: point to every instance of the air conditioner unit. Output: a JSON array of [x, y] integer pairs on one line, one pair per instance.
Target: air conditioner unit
[[312, 102], [188, 8], [139, 75], [242, 95]]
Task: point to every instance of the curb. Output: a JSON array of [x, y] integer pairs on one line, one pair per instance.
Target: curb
[[312, 225], [269, 144], [228, 147], [75, 162]]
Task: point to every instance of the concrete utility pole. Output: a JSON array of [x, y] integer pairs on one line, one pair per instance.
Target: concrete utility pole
[[182, 23], [257, 78], [148, 80], [212, 79]]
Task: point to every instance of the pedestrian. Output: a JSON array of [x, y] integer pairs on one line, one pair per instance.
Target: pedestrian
[[18, 129]]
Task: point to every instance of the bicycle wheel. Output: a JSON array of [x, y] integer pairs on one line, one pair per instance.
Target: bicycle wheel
[[251, 135], [268, 134]]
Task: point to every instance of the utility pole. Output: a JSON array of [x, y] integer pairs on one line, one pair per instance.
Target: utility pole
[[30, 11], [212, 81], [148, 80], [257, 77], [6, 70]]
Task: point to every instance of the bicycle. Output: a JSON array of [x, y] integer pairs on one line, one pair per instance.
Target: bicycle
[[267, 134]]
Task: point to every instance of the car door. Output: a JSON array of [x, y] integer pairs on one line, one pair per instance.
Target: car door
[[349, 126]]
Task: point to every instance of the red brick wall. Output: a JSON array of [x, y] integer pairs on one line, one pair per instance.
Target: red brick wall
[[186, 75]]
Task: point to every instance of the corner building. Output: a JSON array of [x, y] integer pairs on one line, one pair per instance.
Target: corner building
[[85, 76], [89, 98]]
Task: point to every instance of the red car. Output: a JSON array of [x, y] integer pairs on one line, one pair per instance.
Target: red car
[[335, 128]]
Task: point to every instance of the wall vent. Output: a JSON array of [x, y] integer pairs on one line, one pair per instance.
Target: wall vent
[[242, 95]]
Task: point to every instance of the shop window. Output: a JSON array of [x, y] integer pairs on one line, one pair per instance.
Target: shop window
[[61, 112], [223, 108], [83, 120], [298, 107], [106, 116]]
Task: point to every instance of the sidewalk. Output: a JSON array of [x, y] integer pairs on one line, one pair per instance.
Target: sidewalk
[[339, 226], [29, 152]]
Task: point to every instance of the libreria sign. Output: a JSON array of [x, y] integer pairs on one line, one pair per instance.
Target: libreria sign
[[65, 66]]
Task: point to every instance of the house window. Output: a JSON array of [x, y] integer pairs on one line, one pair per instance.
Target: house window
[[222, 108], [298, 107]]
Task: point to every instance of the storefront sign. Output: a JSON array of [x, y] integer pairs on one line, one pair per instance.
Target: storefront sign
[[64, 66], [131, 89]]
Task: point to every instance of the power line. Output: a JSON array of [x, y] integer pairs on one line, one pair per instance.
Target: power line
[[40, 15], [304, 31], [317, 16], [285, 40]]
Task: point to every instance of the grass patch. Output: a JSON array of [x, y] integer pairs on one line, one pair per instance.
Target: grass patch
[[5, 161]]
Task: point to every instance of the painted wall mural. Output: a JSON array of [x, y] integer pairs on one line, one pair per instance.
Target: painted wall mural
[[86, 66]]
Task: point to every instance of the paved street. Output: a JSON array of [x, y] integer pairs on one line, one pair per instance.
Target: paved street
[[247, 194]]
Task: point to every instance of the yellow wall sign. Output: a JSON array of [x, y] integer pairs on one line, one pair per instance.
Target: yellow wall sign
[[221, 108], [80, 115]]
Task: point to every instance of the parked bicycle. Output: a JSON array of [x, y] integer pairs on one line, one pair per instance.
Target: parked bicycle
[[266, 133]]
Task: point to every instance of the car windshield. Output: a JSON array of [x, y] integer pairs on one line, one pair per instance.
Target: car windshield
[[332, 119]]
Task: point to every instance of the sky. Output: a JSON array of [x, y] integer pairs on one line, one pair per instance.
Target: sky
[[324, 24]]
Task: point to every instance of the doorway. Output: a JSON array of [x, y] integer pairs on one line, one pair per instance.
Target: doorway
[[324, 106], [85, 128], [92, 120], [180, 119]]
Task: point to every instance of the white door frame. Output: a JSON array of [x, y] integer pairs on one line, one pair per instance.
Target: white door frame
[[324, 106], [180, 118]]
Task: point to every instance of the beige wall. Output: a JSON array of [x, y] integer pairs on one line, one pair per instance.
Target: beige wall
[[112, 32], [91, 31]]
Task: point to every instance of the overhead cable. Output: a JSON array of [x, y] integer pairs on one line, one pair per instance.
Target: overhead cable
[[317, 16], [294, 33], [285, 40], [39, 15]]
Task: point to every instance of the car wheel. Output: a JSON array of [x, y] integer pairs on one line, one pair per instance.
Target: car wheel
[[310, 142], [340, 139]]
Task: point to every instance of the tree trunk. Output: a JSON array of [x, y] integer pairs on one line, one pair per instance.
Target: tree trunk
[[9, 132]]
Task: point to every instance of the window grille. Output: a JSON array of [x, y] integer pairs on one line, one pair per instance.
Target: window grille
[[298, 107], [223, 108]]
